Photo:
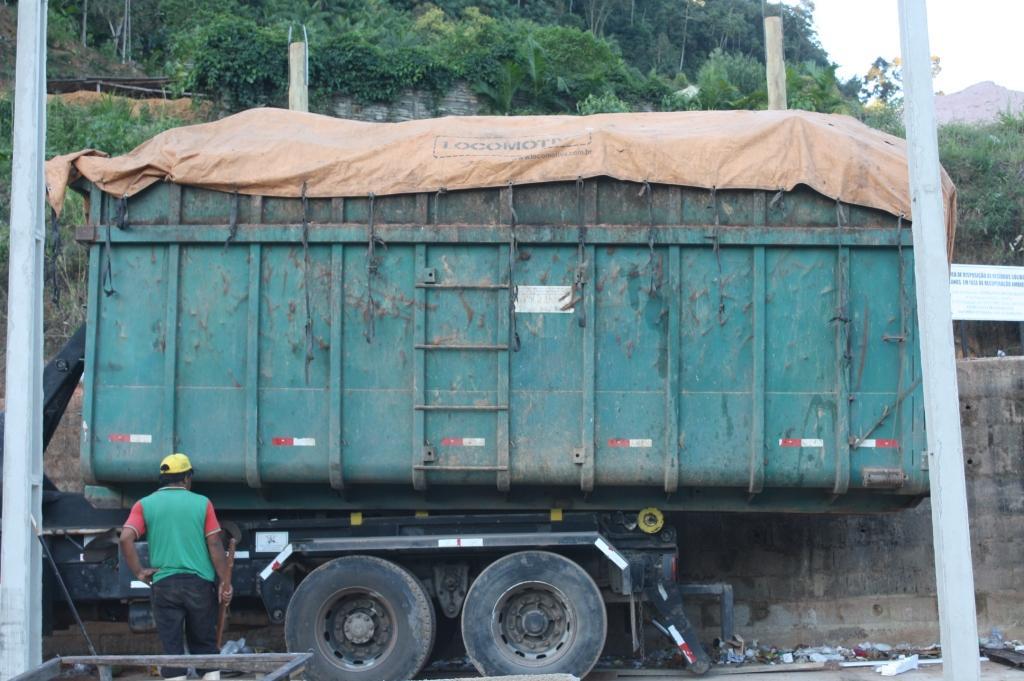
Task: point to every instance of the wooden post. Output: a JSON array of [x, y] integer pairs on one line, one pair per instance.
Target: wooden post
[[298, 79], [954, 572], [774, 64]]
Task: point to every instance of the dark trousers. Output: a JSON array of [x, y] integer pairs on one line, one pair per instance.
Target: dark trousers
[[185, 610]]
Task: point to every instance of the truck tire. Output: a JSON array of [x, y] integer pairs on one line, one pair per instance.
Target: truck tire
[[363, 618], [534, 612]]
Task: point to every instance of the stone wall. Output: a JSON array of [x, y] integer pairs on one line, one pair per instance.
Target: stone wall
[[412, 105], [846, 579]]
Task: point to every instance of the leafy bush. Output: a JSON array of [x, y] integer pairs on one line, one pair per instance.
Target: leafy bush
[[604, 103], [236, 62]]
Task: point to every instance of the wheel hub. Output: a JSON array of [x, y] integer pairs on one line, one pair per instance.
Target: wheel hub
[[534, 621], [358, 627]]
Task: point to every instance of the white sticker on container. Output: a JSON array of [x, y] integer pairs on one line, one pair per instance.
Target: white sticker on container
[[271, 542], [459, 542], [463, 442], [544, 299]]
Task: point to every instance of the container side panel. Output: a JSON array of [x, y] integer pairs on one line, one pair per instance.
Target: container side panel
[[377, 361], [624, 203], [878, 374], [458, 315], [150, 206], [131, 343], [400, 209], [716, 359], [800, 367], [277, 210], [470, 207], [631, 366], [546, 376], [205, 206], [210, 379], [293, 368]]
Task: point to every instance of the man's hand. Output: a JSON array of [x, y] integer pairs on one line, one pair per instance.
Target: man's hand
[[146, 575], [224, 593]]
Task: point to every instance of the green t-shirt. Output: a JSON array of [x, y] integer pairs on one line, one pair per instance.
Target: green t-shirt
[[176, 523]]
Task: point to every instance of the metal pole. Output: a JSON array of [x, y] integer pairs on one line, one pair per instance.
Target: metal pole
[[20, 555], [954, 573]]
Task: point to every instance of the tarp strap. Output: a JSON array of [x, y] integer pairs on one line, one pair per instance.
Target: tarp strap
[[718, 257], [372, 270], [305, 279], [513, 256], [108, 271], [233, 218], [902, 339], [581, 264], [437, 204], [779, 200], [653, 265], [122, 213], [55, 249]]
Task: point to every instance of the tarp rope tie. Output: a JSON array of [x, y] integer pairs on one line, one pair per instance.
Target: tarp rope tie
[[372, 270], [306, 280], [718, 257], [513, 256], [653, 263], [437, 204], [581, 264], [233, 217], [55, 251]]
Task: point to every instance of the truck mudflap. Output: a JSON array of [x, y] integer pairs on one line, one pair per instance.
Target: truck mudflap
[[667, 598]]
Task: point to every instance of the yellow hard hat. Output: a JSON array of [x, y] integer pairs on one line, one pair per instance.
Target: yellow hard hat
[[175, 463]]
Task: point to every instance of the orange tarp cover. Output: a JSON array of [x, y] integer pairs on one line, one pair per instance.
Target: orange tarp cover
[[274, 152]]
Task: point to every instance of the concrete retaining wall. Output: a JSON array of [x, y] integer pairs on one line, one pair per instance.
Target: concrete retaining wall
[[818, 580]]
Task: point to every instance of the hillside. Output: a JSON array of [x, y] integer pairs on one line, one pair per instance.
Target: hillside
[[66, 56]]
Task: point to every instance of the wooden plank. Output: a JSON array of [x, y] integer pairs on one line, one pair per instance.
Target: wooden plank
[[260, 662], [289, 668]]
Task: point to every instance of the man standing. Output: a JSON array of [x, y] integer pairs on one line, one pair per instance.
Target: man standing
[[186, 555]]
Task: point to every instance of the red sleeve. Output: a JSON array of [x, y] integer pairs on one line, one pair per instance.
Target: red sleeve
[[137, 521], [211, 526]]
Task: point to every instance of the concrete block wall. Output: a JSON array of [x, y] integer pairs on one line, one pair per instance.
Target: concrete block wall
[[411, 105], [846, 579]]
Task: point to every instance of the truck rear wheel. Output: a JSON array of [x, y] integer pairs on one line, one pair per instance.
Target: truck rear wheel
[[534, 612], [363, 618]]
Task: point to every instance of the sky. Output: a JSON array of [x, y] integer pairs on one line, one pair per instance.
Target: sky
[[976, 40]]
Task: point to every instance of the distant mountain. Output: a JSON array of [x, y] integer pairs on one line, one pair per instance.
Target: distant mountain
[[980, 103]]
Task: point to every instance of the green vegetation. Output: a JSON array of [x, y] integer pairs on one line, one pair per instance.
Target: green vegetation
[[108, 124], [987, 164], [518, 57]]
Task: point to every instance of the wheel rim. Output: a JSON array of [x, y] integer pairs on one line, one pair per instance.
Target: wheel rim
[[356, 628], [533, 623]]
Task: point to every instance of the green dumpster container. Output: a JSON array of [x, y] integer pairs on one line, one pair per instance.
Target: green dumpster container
[[580, 345]]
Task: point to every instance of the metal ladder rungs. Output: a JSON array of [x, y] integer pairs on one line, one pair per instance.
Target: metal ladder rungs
[[463, 287], [462, 346], [460, 407], [442, 467]]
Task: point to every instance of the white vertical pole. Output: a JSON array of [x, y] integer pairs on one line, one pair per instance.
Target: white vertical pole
[[954, 573], [774, 63], [20, 554], [298, 78]]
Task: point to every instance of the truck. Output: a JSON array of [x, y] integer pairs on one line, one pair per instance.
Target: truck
[[462, 375]]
